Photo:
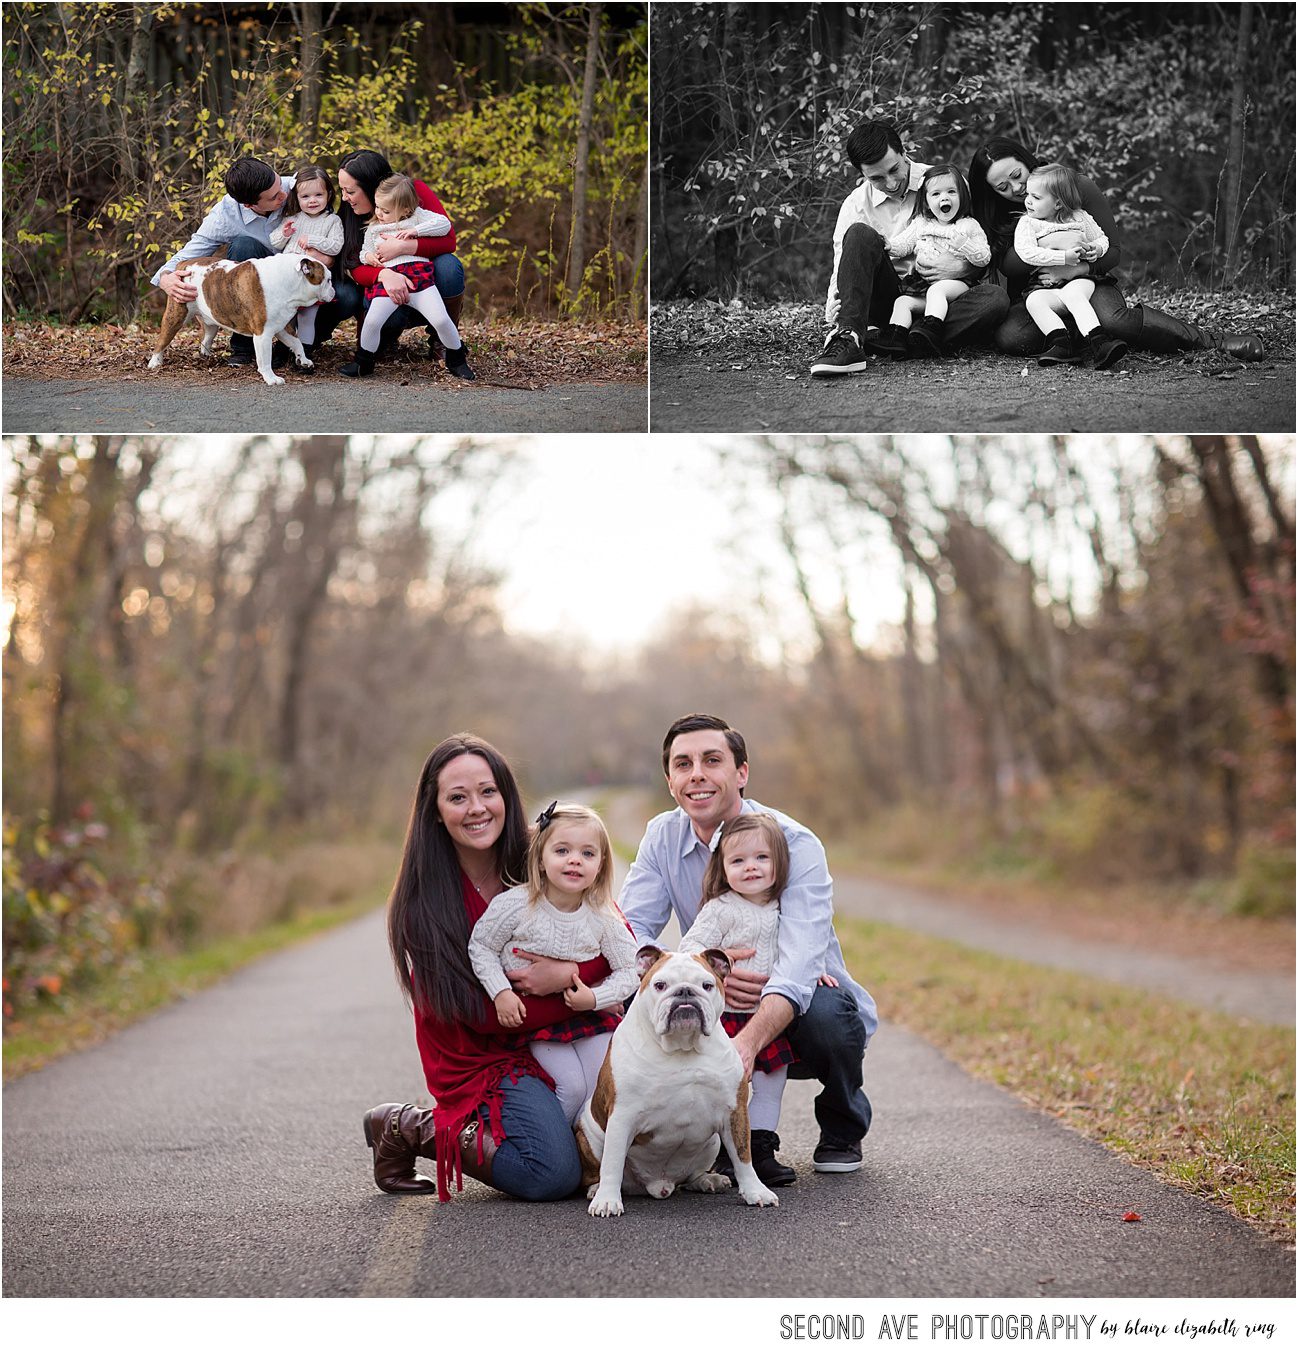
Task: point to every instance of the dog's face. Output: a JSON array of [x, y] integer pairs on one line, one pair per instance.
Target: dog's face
[[681, 993], [316, 274]]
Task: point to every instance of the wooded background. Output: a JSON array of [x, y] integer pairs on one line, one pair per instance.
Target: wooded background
[[120, 121], [1183, 114], [213, 658]]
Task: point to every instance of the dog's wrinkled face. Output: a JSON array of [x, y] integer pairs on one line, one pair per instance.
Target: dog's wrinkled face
[[317, 274], [681, 992]]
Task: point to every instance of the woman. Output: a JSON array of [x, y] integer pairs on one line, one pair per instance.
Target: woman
[[998, 177], [359, 175], [496, 1117]]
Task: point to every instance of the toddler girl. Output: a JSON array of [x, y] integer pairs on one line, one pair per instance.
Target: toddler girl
[[1058, 238], [565, 911], [741, 909], [398, 215], [309, 224], [940, 228]]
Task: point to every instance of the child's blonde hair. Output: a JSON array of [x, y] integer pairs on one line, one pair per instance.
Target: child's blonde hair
[[714, 880], [397, 193], [1062, 183], [600, 893]]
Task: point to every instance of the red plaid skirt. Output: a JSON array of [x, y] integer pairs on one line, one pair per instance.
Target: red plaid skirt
[[779, 1052], [421, 278], [586, 1024]]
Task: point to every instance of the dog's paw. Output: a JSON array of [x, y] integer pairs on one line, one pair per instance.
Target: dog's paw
[[761, 1195], [706, 1183], [273, 379], [607, 1205], [304, 363], [155, 361]]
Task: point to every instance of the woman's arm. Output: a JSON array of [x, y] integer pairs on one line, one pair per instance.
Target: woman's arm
[[1096, 205], [432, 245]]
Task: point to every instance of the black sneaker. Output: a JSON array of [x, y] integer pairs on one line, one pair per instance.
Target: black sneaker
[[769, 1169], [829, 1158], [842, 356]]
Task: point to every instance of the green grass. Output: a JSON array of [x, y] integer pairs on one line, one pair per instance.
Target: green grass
[[89, 1016], [1203, 1100]]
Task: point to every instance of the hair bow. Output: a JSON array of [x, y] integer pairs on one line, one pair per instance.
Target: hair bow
[[544, 819]]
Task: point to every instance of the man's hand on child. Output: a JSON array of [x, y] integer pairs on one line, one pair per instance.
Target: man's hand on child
[[546, 976], [579, 995], [510, 1010], [743, 988]]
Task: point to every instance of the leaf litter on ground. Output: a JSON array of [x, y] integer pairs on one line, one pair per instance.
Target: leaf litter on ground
[[524, 354]]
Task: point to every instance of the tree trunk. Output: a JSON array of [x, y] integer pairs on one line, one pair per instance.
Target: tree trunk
[[581, 168], [1235, 146], [308, 20]]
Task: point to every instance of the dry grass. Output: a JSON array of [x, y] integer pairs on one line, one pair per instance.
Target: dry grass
[[1205, 1101]]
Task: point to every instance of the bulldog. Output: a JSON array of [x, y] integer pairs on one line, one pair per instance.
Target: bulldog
[[671, 1088], [258, 297]]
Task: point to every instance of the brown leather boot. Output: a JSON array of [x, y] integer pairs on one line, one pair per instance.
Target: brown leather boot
[[469, 1162], [398, 1133]]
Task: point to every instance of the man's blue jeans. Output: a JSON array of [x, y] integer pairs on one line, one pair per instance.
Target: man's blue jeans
[[830, 1042], [537, 1161]]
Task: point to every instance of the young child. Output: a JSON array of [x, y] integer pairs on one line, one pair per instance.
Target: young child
[[1058, 238], [741, 909], [565, 911], [940, 229], [309, 223], [398, 215]]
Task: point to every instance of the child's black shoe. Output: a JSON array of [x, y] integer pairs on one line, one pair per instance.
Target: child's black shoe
[[457, 362], [888, 342], [768, 1168], [1103, 350], [925, 339], [1061, 350], [362, 366]]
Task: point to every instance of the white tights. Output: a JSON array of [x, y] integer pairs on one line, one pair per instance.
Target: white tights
[[764, 1106], [933, 302], [429, 303], [573, 1066], [1048, 305], [306, 323]]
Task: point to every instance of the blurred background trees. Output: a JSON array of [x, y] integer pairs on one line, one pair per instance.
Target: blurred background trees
[[527, 120], [215, 658], [1182, 113]]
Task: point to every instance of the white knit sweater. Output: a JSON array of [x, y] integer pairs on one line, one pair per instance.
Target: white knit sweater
[[731, 921], [323, 232], [509, 922], [423, 222]]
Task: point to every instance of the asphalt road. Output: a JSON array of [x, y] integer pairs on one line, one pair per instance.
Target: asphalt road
[[694, 392], [215, 1150], [319, 403]]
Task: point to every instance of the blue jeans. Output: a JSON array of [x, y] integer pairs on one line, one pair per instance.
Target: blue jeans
[[349, 301], [830, 1042], [537, 1161]]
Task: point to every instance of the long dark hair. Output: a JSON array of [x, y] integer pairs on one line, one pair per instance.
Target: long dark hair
[[428, 931], [997, 216], [369, 168]]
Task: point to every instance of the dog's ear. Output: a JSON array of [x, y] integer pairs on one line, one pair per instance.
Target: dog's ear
[[307, 268], [645, 958], [717, 960]]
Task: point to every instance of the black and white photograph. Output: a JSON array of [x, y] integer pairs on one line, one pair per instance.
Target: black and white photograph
[[897, 217]]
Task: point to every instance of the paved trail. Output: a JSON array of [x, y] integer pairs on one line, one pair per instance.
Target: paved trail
[[215, 1150], [318, 403]]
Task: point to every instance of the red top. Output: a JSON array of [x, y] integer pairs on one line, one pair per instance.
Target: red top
[[427, 246], [467, 1064]]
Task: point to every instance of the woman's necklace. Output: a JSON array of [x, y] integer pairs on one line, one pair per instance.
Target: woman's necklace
[[478, 882]]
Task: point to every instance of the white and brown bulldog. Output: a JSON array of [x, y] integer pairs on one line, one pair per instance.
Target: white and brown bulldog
[[258, 297], [672, 1088]]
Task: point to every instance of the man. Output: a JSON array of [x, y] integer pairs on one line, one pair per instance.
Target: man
[[242, 220], [863, 284], [706, 764]]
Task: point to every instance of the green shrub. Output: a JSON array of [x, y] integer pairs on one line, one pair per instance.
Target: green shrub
[[1264, 882]]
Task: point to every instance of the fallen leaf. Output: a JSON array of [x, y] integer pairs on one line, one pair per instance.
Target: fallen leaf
[[1132, 1216]]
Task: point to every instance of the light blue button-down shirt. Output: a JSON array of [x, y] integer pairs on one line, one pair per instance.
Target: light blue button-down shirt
[[667, 876], [227, 220]]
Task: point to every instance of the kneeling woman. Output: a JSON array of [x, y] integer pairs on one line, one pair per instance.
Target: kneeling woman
[[496, 1116], [998, 180]]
